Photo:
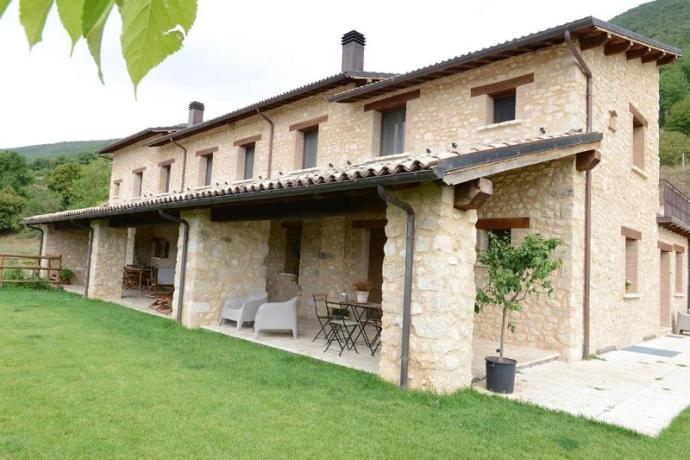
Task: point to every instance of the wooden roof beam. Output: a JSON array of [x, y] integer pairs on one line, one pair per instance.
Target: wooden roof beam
[[666, 59], [598, 40], [653, 56], [615, 47], [637, 51]]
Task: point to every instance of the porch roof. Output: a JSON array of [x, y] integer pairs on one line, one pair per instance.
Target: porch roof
[[400, 169]]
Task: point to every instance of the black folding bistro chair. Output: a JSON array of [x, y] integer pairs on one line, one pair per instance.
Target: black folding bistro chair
[[343, 327], [321, 311]]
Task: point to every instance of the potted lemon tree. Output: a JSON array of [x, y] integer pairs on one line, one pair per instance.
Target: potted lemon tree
[[514, 273]]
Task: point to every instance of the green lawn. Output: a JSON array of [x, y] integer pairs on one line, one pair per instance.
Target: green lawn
[[90, 379]]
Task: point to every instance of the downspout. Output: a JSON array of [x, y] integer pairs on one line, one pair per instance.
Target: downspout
[[184, 162], [87, 278], [407, 288], [584, 68], [271, 128], [42, 232], [183, 260]]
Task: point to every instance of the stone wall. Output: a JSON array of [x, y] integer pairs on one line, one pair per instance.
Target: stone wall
[[224, 259], [623, 196], [72, 244], [107, 261], [552, 196], [443, 291], [679, 300]]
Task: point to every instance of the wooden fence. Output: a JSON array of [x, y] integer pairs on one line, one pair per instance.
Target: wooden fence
[[34, 264]]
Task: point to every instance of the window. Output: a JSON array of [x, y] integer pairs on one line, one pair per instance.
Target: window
[[680, 274], [309, 147], [631, 255], [116, 187], [292, 249], [503, 106], [206, 169], [161, 248], [504, 235], [638, 142], [138, 183], [249, 161], [393, 132], [164, 183]]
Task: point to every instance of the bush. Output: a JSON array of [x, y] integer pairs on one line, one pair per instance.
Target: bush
[[16, 274]]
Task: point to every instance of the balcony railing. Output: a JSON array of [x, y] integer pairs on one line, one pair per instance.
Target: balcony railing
[[673, 203]]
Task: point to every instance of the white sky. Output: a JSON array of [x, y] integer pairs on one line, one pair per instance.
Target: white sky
[[240, 52]]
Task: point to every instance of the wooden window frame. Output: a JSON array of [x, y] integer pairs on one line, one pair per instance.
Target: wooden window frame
[[246, 141], [392, 103], [308, 125]]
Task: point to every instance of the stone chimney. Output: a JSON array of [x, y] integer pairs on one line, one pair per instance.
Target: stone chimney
[[196, 113], [353, 51]]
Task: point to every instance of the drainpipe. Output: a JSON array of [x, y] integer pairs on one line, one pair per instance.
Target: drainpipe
[[87, 278], [584, 68], [42, 232], [407, 289], [271, 128], [184, 162], [183, 260]]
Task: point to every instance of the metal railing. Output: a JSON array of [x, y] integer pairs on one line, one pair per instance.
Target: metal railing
[[673, 202]]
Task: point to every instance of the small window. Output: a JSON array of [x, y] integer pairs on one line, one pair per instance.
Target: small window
[[309, 147], [503, 106], [393, 132], [631, 264], [292, 249], [249, 161], [164, 185], [680, 273], [206, 169], [138, 183], [503, 235], [161, 248], [638, 142], [116, 188]]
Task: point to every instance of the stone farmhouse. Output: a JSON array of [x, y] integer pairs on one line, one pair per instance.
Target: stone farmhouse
[[398, 179]]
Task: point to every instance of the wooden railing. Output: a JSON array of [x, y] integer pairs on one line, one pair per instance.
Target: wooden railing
[[32, 264], [673, 202]]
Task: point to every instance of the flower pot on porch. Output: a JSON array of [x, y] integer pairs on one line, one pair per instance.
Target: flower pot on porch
[[362, 296], [500, 375]]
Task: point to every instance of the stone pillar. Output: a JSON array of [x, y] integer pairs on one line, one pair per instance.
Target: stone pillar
[[107, 261], [443, 291], [223, 259], [70, 243]]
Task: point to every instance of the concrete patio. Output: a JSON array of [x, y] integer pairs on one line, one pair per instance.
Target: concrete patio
[[131, 299], [642, 388]]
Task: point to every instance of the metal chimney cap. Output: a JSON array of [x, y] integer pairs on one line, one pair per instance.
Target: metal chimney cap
[[353, 36], [195, 105]]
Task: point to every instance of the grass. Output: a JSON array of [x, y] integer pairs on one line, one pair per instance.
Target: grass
[[81, 378]]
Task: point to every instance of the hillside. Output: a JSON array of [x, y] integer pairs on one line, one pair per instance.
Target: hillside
[[68, 148], [665, 20]]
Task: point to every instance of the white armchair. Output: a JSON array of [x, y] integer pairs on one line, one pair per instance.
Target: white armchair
[[277, 316], [242, 309], [683, 323]]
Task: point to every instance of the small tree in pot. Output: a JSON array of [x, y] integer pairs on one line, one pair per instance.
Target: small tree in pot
[[514, 273]]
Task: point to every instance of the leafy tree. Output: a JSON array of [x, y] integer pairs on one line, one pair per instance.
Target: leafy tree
[[14, 171], [673, 86], [92, 186], [514, 273], [152, 30], [673, 145], [679, 116], [40, 200], [11, 206], [61, 181]]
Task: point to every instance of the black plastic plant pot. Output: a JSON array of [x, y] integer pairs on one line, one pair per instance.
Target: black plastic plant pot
[[500, 376]]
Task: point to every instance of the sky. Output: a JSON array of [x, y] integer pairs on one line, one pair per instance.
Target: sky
[[240, 52]]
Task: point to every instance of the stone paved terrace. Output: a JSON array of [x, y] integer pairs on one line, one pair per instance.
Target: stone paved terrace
[[642, 388]]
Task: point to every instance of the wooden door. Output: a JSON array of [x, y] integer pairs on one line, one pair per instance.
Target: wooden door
[[377, 239]]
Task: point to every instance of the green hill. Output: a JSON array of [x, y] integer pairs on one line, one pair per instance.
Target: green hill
[[665, 20], [31, 152]]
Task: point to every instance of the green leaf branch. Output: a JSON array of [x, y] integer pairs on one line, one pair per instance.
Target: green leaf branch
[[152, 30]]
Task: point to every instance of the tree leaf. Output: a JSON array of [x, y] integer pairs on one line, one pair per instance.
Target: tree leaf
[[3, 6], [93, 22], [151, 32], [33, 15], [70, 12]]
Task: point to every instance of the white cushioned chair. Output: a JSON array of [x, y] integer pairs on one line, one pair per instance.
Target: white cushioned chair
[[242, 309], [683, 324], [277, 316]]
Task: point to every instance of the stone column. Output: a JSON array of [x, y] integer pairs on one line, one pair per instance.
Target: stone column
[[443, 291], [107, 261], [223, 259]]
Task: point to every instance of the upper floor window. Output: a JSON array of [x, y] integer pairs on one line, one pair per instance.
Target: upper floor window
[[307, 141], [310, 143], [138, 183], [248, 170], [504, 106], [639, 127], [393, 132], [207, 169], [164, 179], [116, 187], [632, 243]]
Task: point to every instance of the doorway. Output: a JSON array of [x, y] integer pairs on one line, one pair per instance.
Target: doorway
[[665, 289]]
